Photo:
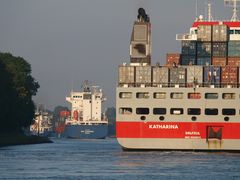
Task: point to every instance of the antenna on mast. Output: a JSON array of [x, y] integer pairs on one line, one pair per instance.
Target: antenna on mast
[[234, 5], [196, 8], [210, 18]]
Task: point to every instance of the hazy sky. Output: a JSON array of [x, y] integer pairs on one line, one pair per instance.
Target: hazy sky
[[69, 41]]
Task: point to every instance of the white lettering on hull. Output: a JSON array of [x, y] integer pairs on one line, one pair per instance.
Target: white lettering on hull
[[192, 135], [165, 126], [195, 133]]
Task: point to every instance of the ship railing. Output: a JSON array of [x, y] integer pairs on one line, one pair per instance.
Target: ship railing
[[93, 123], [186, 37], [180, 85]]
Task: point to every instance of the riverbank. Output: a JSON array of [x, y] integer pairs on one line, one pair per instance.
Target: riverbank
[[21, 139]]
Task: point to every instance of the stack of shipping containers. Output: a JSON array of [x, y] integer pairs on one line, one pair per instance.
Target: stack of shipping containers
[[219, 45], [212, 59], [231, 73], [188, 56], [215, 52], [204, 47], [234, 53]]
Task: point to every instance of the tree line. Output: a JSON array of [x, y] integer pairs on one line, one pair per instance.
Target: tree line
[[17, 87]]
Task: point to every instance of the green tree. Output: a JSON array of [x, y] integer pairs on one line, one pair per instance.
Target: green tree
[[19, 99], [8, 95]]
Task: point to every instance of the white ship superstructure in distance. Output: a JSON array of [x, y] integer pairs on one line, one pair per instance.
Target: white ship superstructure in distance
[[87, 119]]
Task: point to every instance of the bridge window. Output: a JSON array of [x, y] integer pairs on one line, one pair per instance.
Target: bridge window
[[176, 111], [228, 95], [176, 95], [194, 96], [211, 95], [125, 110], [228, 112], [87, 96], [125, 95], [159, 95], [237, 31], [159, 110], [142, 95], [211, 111], [194, 111], [142, 111]]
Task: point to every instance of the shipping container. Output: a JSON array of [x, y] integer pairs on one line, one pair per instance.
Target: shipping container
[[204, 61], [160, 75], [239, 77], [178, 76], [65, 113], [194, 75], [188, 60], [229, 75], [219, 49], [233, 61], [143, 74], [212, 75], [204, 49], [189, 48], [173, 59], [204, 33], [220, 33], [126, 74], [219, 61], [234, 48]]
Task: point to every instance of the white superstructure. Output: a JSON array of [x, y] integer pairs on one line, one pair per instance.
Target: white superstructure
[[86, 106]]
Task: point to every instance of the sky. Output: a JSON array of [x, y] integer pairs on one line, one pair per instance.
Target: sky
[[69, 41]]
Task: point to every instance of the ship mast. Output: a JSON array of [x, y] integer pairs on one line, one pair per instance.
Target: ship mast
[[210, 18], [234, 5]]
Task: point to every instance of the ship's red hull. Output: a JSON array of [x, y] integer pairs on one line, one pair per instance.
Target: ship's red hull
[[182, 130]]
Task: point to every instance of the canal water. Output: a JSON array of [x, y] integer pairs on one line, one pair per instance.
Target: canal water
[[104, 159]]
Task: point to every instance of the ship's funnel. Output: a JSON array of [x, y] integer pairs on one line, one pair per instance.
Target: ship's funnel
[[140, 45], [142, 16]]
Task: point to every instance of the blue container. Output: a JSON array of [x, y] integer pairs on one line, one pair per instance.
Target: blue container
[[204, 61], [234, 48], [189, 48], [188, 60], [212, 75], [204, 49], [219, 49]]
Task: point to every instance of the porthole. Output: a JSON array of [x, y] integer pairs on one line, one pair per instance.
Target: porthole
[[143, 118], [194, 118], [226, 118], [161, 118]]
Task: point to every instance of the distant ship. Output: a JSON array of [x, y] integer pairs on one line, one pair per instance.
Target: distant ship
[[192, 102], [42, 124], [87, 120]]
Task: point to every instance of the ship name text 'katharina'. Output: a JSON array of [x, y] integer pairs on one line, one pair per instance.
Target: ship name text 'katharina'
[[166, 126]]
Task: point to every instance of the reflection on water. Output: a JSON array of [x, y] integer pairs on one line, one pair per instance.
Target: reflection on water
[[104, 159]]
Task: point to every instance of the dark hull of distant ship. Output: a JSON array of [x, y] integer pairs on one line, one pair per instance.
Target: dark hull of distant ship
[[86, 131]]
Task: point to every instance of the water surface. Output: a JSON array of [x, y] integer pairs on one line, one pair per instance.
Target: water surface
[[104, 159]]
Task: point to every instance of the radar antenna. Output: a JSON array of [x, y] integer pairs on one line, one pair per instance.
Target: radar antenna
[[234, 5]]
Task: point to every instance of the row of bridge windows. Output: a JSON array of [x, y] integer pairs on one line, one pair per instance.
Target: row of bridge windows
[[177, 95], [178, 111]]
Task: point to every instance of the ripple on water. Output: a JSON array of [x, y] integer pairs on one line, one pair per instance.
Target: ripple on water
[[104, 159]]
